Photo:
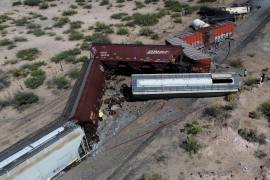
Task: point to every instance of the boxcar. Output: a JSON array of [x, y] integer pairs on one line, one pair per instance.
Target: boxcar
[[137, 57], [208, 36], [88, 101]]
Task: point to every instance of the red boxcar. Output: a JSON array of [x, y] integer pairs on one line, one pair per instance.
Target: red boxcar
[[221, 31], [90, 94], [137, 57], [195, 39], [201, 66], [208, 36]]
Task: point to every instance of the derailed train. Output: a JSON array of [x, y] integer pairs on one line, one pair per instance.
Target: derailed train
[[46, 157]]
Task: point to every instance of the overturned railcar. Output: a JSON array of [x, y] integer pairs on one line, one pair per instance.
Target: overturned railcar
[[47, 156], [207, 36], [89, 98], [184, 85], [138, 57]]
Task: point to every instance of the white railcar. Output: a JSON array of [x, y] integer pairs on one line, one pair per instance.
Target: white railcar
[[238, 10], [48, 156]]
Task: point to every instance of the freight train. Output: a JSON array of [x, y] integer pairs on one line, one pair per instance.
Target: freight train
[[47, 156]]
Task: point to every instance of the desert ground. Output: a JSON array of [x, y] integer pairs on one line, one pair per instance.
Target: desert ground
[[143, 140]]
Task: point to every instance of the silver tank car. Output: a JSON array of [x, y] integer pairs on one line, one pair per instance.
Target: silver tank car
[[48, 156]]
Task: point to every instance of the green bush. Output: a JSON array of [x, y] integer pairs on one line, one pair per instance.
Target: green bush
[[72, 6], [34, 66], [206, 1], [95, 38], [32, 2], [22, 21], [34, 82], [4, 18], [213, 111], [4, 80], [104, 2], [265, 109], [119, 15], [152, 177], [176, 6], [150, 1], [75, 35], [251, 81], [218, 113], [236, 63], [122, 31], [146, 32], [138, 42], [37, 32], [260, 154], [69, 12], [44, 5], [192, 128], [20, 39], [120, 1], [60, 22], [82, 59], [87, 6], [28, 54], [2, 27], [76, 24], [253, 115], [103, 28], [155, 36], [20, 73], [37, 79], [6, 42], [4, 103], [74, 74], [145, 19], [138, 5], [191, 145], [178, 20], [251, 136], [68, 56], [61, 82], [17, 3], [25, 99], [85, 45]]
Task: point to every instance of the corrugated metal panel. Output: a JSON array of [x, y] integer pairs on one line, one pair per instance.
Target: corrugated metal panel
[[162, 84], [188, 50], [173, 82], [47, 137]]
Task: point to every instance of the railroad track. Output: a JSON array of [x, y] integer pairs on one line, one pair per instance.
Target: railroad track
[[23, 122], [256, 27]]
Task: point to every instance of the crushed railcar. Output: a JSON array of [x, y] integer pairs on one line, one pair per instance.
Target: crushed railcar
[[47, 156], [207, 36], [184, 85], [89, 99]]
